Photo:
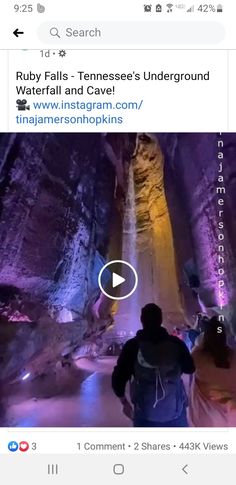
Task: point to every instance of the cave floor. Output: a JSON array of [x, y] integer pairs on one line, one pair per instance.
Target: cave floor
[[86, 400]]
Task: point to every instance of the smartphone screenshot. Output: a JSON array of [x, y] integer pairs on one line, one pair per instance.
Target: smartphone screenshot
[[117, 242]]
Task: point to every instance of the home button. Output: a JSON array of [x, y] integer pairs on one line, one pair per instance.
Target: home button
[[118, 469]]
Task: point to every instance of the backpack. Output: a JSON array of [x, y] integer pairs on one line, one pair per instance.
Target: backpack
[[157, 390]]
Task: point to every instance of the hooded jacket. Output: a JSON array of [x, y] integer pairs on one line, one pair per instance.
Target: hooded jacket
[[124, 370]]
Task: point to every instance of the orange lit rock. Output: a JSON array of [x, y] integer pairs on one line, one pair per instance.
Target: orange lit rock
[[156, 257]]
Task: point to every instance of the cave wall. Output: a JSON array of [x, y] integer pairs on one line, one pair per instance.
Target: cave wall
[[193, 159], [55, 216], [61, 202], [182, 235]]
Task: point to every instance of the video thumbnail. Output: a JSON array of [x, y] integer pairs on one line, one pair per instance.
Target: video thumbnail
[[117, 280]]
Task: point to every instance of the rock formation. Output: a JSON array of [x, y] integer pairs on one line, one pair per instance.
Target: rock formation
[[155, 248], [59, 194], [62, 210], [194, 161]]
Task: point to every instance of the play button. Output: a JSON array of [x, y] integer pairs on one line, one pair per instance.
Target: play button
[[118, 279]]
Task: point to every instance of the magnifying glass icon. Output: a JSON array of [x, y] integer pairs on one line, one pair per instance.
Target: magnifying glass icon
[[54, 32]]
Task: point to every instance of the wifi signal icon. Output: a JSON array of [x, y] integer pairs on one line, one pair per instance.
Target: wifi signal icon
[[169, 7]]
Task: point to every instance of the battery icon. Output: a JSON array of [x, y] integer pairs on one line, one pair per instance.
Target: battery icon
[[219, 8]]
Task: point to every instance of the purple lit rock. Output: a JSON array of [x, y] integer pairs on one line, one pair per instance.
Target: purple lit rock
[[59, 194], [193, 161]]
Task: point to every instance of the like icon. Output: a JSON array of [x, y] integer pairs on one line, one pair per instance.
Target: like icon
[[13, 446], [23, 446]]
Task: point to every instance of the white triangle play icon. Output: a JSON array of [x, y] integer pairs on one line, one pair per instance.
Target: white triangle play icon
[[117, 280]]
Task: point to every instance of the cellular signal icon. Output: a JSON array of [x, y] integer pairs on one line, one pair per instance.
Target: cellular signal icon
[[191, 9]]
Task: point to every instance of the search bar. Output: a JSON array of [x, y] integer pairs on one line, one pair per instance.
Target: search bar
[[131, 33]]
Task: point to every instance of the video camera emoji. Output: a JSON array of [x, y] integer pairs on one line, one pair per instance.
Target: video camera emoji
[[22, 105]]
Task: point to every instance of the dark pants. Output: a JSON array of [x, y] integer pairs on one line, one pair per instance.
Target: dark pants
[[180, 422]]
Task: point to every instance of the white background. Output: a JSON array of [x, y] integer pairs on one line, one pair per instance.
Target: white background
[[167, 106]]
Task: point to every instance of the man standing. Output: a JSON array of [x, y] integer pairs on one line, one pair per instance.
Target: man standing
[[153, 362]]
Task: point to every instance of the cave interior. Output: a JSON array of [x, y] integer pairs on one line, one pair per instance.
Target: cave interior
[[71, 202]]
